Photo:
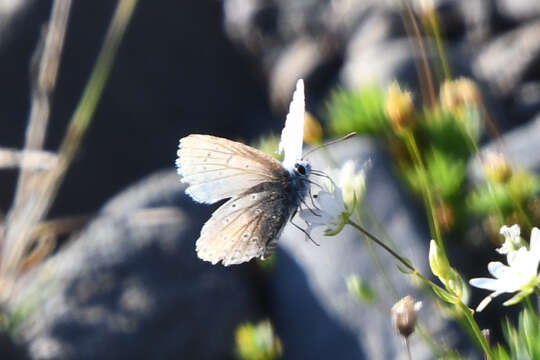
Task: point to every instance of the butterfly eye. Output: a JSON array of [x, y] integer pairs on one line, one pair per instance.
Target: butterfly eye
[[301, 169]]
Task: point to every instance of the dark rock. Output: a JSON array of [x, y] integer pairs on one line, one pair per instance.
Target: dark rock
[[130, 286], [176, 73]]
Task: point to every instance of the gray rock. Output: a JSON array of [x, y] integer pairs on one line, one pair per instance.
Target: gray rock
[[385, 61], [519, 10], [509, 59], [299, 39], [316, 316], [520, 146], [130, 286]]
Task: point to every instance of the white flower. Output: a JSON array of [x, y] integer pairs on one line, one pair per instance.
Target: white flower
[[512, 239], [331, 212], [520, 275], [336, 202], [352, 183]]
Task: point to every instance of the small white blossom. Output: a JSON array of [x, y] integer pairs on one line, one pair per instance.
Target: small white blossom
[[352, 183], [520, 275], [336, 202], [332, 212], [512, 239]]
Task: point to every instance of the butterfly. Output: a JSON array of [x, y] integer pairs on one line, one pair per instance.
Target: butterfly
[[263, 194]]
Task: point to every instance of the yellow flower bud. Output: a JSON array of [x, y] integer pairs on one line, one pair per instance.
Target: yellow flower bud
[[399, 107], [497, 168], [258, 342], [456, 94], [313, 132]]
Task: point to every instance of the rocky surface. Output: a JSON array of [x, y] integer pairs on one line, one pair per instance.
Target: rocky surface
[[130, 286]]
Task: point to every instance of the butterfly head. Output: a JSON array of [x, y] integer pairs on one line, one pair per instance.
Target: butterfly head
[[302, 169]]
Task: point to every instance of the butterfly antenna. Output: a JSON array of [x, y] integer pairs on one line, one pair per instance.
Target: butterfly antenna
[[321, 174], [312, 183], [346, 137]]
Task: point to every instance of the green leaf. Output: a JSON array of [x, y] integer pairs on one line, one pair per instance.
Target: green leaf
[[360, 288], [444, 295], [361, 111]]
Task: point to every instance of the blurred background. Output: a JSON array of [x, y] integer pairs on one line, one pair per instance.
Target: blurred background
[[123, 279]]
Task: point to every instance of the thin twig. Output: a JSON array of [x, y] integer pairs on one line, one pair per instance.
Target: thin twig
[[27, 159], [409, 356], [422, 68]]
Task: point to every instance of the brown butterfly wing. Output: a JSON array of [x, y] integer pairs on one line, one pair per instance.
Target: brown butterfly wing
[[246, 226]]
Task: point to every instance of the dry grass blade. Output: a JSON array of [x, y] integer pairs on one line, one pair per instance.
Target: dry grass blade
[[25, 215], [43, 240], [48, 55]]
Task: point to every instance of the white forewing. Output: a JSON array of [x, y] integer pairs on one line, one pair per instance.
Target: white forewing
[[217, 168], [292, 136]]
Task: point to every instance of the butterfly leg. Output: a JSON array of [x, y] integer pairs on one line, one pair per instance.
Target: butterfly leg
[[300, 228]]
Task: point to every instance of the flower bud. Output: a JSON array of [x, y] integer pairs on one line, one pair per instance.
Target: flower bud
[[438, 262], [313, 132], [445, 216], [258, 342], [399, 107], [497, 168], [456, 94], [360, 288], [352, 184], [404, 315]]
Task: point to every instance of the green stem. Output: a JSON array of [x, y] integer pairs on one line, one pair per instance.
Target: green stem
[[401, 259], [476, 330], [440, 47], [94, 88], [406, 263], [428, 196]]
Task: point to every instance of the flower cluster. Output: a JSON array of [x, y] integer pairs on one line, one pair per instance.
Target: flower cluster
[[521, 273]]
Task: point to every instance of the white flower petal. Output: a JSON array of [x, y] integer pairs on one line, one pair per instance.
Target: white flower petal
[[487, 300], [535, 242], [484, 303], [498, 269], [511, 232], [311, 218], [486, 283]]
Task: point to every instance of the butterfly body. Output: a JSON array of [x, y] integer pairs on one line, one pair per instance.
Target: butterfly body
[[263, 194]]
